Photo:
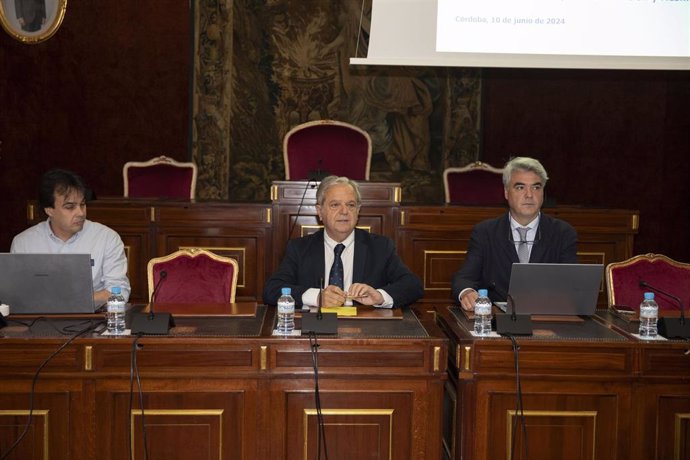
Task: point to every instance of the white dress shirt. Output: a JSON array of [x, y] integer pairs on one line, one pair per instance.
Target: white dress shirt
[[310, 297], [108, 260]]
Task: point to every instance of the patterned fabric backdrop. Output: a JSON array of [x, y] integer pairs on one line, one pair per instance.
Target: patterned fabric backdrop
[[264, 66]]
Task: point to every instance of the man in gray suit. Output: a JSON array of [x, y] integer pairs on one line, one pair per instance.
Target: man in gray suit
[[353, 263], [523, 234]]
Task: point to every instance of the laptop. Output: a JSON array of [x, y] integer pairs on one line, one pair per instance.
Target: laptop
[[555, 289], [46, 284]]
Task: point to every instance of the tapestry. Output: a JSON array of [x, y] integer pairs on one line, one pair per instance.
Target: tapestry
[[265, 66]]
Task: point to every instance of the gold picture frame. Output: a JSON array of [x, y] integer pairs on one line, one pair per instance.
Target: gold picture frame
[[32, 21]]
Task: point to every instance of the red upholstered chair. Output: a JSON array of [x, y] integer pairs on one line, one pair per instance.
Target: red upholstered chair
[[160, 177], [475, 184], [324, 147], [623, 281], [193, 276]]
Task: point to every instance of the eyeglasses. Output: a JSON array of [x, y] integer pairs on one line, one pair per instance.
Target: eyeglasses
[[536, 239]]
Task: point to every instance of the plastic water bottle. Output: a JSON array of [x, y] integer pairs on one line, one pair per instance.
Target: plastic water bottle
[[286, 312], [116, 312], [482, 314], [649, 312]]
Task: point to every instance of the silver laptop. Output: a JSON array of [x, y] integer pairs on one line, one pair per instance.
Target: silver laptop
[[555, 289], [46, 283]]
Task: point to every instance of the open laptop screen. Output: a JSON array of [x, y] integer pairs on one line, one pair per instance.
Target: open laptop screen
[[555, 289], [46, 283]]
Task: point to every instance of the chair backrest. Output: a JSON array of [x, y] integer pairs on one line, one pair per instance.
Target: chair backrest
[[474, 184], [623, 280], [323, 147], [160, 177], [193, 275]]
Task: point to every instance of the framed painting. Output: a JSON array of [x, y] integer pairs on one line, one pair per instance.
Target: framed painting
[[32, 21]]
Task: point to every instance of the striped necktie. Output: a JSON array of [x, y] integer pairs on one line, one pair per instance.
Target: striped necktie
[[523, 247]]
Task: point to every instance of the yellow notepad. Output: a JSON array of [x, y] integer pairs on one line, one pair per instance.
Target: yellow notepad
[[341, 311]]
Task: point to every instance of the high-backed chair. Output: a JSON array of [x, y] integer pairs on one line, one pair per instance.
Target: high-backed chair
[[477, 184], [160, 177], [623, 281], [193, 275], [319, 148]]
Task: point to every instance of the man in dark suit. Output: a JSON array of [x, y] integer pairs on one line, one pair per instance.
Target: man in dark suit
[[357, 265], [523, 234]]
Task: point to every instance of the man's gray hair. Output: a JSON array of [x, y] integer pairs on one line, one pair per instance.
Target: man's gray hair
[[524, 164], [330, 181]]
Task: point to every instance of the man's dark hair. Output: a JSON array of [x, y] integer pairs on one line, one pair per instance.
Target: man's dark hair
[[60, 182]]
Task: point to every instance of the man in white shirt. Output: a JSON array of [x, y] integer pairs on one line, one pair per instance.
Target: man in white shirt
[[67, 231]]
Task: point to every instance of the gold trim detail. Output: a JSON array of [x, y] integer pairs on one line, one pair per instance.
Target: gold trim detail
[[88, 358], [635, 218], [425, 255], [467, 357], [152, 214], [263, 357], [35, 413], [269, 215], [437, 359], [31, 212], [550, 413], [402, 218], [678, 431], [274, 192], [186, 412], [370, 412], [398, 194]]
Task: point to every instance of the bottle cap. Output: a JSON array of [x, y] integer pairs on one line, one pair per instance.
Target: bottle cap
[[286, 291], [115, 290], [483, 293], [648, 296]]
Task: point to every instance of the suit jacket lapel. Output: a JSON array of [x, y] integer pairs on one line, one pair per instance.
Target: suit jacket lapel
[[317, 264], [539, 247], [360, 257], [505, 241]]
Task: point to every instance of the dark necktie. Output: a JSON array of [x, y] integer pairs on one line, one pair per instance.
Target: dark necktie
[[336, 276], [523, 248]]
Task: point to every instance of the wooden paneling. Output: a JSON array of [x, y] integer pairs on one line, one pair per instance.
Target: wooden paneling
[[431, 240], [588, 390], [244, 398]]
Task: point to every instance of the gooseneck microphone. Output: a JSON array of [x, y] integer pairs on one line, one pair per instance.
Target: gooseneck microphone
[[671, 327], [320, 322], [162, 276], [510, 323], [153, 323]]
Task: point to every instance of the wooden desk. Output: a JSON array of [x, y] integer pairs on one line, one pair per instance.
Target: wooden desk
[[223, 388], [589, 390]]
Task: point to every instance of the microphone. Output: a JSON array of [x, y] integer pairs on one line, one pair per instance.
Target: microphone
[[153, 323], [161, 277], [310, 184], [318, 175], [670, 327], [320, 322], [511, 323]]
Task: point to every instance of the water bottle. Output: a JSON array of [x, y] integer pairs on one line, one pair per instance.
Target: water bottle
[[482, 314], [116, 312], [286, 312], [649, 312]]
